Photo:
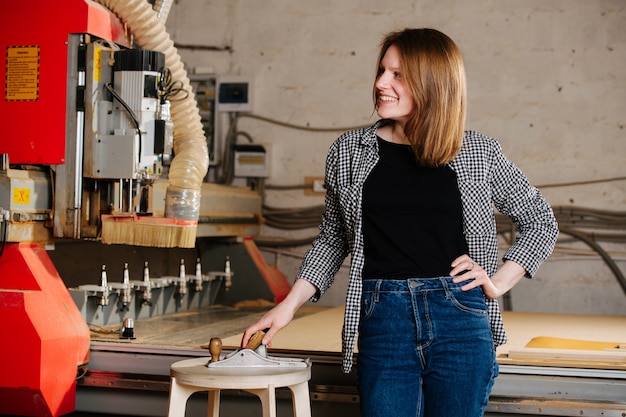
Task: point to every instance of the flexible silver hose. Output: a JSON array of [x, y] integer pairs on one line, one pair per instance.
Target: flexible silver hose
[[191, 157]]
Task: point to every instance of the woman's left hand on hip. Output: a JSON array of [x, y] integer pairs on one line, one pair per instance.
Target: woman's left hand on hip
[[465, 269]]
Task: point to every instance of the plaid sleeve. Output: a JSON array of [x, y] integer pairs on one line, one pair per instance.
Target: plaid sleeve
[[330, 248], [516, 198]]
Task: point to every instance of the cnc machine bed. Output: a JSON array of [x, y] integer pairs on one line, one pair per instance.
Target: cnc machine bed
[[130, 371]]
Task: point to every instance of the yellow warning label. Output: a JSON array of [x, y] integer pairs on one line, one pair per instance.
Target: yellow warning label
[[97, 61], [21, 196], [251, 160], [22, 74]]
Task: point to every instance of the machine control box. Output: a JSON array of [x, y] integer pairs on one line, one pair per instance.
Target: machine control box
[[234, 93], [251, 161]]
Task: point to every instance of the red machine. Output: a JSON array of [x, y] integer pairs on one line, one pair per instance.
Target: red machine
[[34, 37], [45, 337], [88, 132], [45, 340]]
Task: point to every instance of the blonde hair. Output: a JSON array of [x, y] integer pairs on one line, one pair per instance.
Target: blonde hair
[[434, 73]]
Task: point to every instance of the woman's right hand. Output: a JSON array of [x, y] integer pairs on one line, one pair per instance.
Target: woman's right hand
[[281, 315], [273, 321]]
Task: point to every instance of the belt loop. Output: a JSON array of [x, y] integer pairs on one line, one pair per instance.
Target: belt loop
[[379, 282], [444, 284]]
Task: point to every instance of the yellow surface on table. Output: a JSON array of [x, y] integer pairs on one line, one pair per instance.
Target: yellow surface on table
[[564, 340], [522, 327], [316, 332]]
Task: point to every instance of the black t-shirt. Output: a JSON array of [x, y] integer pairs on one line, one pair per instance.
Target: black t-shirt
[[412, 219]]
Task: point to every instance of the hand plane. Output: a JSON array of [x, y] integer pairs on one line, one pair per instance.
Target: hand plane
[[254, 355]]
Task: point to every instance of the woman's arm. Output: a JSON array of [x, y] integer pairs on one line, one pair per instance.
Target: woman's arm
[[529, 211]]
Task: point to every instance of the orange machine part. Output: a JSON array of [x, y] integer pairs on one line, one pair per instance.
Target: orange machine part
[[44, 337], [274, 278]]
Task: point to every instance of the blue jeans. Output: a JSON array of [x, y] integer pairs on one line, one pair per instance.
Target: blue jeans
[[425, 349]]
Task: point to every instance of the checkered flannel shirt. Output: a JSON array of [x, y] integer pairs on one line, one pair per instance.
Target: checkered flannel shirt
[[486, 179]]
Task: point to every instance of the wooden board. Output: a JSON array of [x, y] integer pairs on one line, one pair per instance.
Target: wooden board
[[578, 355], [317, 332], [564, 340]]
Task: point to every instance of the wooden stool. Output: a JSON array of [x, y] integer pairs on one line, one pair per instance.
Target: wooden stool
[[192, 375]]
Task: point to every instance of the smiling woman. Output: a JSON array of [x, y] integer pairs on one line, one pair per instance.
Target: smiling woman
[[411, 199]]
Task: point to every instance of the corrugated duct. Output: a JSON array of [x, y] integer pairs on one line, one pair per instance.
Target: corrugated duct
[[162, 9], [191, 157]]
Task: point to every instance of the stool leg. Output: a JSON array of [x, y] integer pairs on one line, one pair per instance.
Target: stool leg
[[268, 400], [214, 403], [301, 401], [178, 398]]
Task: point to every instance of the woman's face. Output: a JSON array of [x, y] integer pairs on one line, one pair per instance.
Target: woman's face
[[393, 98]]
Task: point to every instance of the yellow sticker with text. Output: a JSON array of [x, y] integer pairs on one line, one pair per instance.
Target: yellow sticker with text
[[22, 73]]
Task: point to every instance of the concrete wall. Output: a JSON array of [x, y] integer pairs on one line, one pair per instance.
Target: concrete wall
[[546, 78]]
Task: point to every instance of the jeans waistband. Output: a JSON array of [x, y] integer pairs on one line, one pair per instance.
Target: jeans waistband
[[411, 283]]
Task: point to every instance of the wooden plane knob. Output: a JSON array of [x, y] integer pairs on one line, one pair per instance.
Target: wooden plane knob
[[255, 340], [215, 347]]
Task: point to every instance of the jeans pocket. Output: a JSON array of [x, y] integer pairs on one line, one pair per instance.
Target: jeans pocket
[[472, 301], [367, 304]]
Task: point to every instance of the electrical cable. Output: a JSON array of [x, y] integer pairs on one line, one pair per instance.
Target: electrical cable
[[603, 254], [170, 89], [94, 328], [298, 127], [5, 233], [280, 243], [228, 158], [81, 372], [288, 187], [245, 135], [292, 219], [130, 112], [587, 182]]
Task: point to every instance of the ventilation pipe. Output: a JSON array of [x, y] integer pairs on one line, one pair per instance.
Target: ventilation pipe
[[162, 9], [191, 156]]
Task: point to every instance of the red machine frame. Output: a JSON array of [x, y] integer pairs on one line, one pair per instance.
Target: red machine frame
[[45, 338]]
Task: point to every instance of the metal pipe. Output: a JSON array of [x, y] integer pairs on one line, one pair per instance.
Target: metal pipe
[[4, 161]]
